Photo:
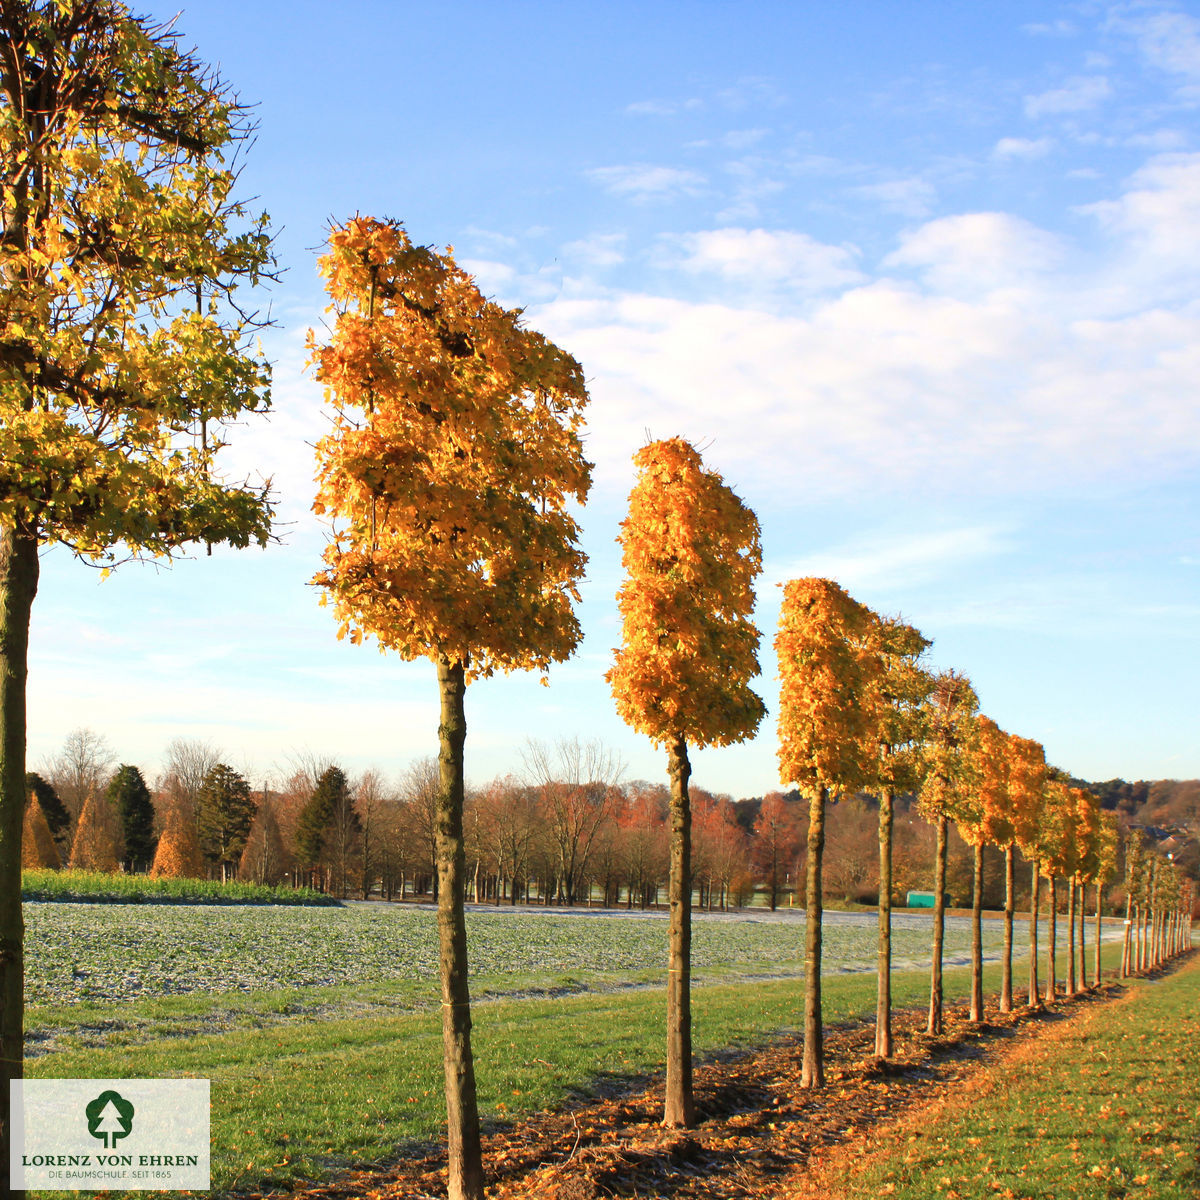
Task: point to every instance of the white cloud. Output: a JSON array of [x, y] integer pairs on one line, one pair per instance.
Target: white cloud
[[1078, 94], [764, 256], [599, 250], [906, 197], [1168, 40], [662, 108], [642, 181], [977, 252], [1022, 148], [1059, 28]]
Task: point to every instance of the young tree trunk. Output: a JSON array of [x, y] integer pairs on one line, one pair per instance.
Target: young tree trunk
[[939, 927], [1083, 979], [1071, 981], [1099, 932], [462, 1114], [18, 586], [1052, 942], [813, 1070], [679, 1111], [883, 990], [1010, 901], [1127, 949], [976, 1013], [1035, 889]]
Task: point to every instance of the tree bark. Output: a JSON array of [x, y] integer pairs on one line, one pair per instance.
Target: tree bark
[[18, 586], [1052, 942], [1099, 931], [1083, 979], [813, 1070], [1035, 889], [1010, 902], [883, 991], [939, 927], [1071, 980], [976, 1013], [462, 1114], [1127, 949], [679, 1110]]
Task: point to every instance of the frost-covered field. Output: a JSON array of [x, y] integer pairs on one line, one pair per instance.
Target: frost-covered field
[[132, 951]]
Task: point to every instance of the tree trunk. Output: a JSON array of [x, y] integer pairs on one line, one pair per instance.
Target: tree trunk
[[976, 1013], [939, 927], [813, 1071], [883, 990], [462, 1114], [1010, 903], [1071, 980], [1035, 890], [18, 586], [679, 1111], [1052, 942], [1127, 949], [1083, 981], [1099, 932]]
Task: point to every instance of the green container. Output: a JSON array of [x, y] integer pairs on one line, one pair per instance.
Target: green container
[[920, 899]]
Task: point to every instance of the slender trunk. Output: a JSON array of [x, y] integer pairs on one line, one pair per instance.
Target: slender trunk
[[883, 992], [1010, 888], [1035, 889], [18, 586], [1099, 932], [939, 927], [462, 1114], [977, 937], [813, 1071], [1071, 980], [1083, 979], [1127, 949], [1052, 942], [679, 1111]]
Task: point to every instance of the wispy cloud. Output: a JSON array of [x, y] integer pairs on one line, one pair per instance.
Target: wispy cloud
[[1026, 149], [760, 255], [1078, 94], [644, 181], [907, 197], [663, 108]]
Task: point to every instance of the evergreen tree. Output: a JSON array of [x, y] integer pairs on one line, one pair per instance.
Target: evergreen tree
[[178, 853], [317, 818], [37, 844], [96, 846], [54, 810], [128, 794], [224, 813]]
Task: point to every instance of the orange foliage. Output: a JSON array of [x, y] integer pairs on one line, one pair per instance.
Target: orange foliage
[[1027, 785], [178, 853], [37, 842], [688, 651], [454, 453], [95, 845], [828, 720], [951, 778], [995, 824]]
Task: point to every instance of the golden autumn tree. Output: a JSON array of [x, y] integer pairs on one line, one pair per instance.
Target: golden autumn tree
[[97, 844], [1087, 845], [454, 455], [828, 738], [1104, 866], [1056, 852], [123, 352], [948, 793], [1027, 792], [902, 688], [177, 855], [37, 842], [690, 549]]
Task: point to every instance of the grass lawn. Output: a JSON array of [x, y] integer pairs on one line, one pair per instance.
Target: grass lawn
[[1107, 1107]]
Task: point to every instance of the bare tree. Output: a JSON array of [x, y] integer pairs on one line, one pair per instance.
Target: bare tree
[[420, 788], [373, 800], [575, 783], [187, 764], [81, 767]]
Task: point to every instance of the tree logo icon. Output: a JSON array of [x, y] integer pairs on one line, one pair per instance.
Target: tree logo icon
[[109, 1117]]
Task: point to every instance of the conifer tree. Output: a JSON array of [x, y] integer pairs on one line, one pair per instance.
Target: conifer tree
[[37, 842], [96, 845], [454, 456], [177, 855], [224, 812], [53, 809], [690, 549], [130, 797], [828, 738]]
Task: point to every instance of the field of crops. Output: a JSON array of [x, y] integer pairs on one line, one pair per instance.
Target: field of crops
[[119, 952]]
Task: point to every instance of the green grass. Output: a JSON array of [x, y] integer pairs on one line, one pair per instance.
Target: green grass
[[294, 1098], [99, 887], [1110, 1109]]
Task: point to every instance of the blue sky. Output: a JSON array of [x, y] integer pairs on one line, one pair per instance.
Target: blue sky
[[920, 280]]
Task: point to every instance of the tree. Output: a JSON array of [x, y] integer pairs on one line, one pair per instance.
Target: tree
[[128, 793], [903, 687], [1027, 791], [776, 843], [178, 853], [690, 550], [264, 859], [81, 767], [53, 810], [947, 793], [1108, 841], [121, 351], [188, 762], [97, 845], [454, 454], [315, 828], [828, 731], [224, 813], [37, 842]]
